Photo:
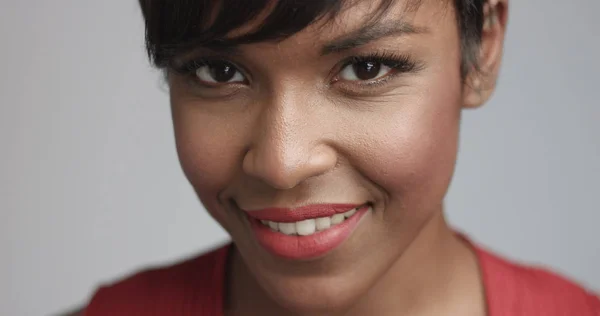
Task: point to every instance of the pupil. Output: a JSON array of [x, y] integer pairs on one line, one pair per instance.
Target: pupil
[[222, 72], [366, 70]]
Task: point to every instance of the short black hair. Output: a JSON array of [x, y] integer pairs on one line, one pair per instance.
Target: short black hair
[[176, 26]]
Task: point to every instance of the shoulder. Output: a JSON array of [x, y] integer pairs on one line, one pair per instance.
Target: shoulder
[[516, 289], [184, 282], [77, 312]]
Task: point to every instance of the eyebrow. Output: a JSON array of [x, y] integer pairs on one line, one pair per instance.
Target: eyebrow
[[370, 33], [362, 36], [228, 50], [215, 49]]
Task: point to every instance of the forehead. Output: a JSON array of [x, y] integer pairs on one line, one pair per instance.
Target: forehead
[[200, 24], [363, 21], [350, 15], [361, 24]]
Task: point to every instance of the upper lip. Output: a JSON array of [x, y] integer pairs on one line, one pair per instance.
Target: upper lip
[[278, 214]]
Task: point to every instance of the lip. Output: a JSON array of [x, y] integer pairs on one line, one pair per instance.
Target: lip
[[296, 247], [287, 215]]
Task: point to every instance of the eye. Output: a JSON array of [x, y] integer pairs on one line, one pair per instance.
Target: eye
[[376, 68], [219, 72], [365, 70]]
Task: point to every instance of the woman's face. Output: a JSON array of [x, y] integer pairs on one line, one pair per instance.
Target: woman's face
[[335, 114]]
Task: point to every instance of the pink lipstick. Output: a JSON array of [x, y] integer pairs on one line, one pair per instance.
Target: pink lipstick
[[306, 232]]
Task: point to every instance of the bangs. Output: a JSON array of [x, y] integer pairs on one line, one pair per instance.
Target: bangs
[[174, 27]]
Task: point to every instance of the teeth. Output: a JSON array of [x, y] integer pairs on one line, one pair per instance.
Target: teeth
[[323, 223], [337, 219], [287, 228], [306, 227], [274, 226], [309, 226]]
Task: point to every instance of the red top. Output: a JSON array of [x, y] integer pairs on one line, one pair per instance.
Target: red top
[[196, 287]]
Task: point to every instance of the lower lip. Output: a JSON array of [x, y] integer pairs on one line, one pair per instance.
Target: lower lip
[[306, 247]]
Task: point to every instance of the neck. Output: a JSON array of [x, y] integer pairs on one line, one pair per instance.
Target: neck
[[438, 274]]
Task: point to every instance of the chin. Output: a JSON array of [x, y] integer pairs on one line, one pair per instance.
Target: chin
[[314, 295]]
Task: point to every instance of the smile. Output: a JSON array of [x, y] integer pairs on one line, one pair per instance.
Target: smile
[[309, 226], [308, 232]]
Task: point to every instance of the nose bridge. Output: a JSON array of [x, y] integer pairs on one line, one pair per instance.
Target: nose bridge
[[288, 147], [284, 139]]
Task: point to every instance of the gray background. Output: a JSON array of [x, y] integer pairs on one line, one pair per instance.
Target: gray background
[[90, 187]]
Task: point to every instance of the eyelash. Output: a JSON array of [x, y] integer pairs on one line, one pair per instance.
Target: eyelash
[[189, 68], [399, 63]]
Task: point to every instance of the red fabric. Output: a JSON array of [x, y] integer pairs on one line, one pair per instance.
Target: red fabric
[[196, 287], [193, 287], [515, 290]]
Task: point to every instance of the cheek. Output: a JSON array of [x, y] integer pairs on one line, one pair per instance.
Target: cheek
[[412, 151], [208, 147]]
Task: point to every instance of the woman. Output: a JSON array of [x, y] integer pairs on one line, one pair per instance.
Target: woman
[[322, 136]]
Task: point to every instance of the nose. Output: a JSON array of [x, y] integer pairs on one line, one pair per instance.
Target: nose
[[289, 147]]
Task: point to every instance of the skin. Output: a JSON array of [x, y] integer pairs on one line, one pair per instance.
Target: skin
[[293, 135], [296, 133]]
